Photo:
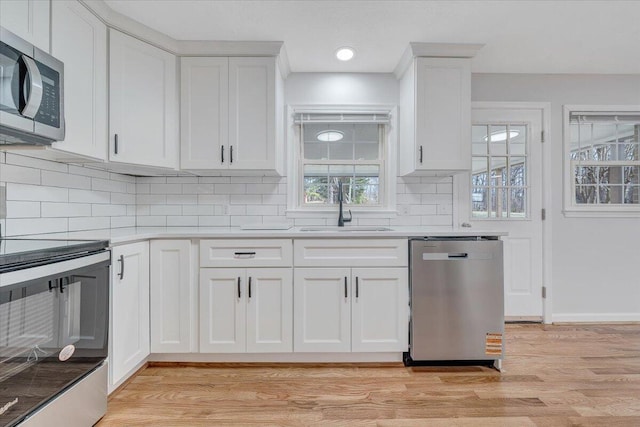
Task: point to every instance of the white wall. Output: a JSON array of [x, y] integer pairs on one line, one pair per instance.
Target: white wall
[[596, 261]]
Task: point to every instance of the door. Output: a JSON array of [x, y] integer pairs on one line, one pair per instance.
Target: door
[[506, 195], [205, 113], [171, 294], [222, 310], [252, 117], [79, 39], [129, 309], [322, 310], [269, 310], [379, 309], [142, 103]]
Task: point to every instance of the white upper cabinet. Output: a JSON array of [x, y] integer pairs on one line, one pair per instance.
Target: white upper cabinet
[[28, 19], [435, 118], [143, 101], [79, 39], [232, 114]]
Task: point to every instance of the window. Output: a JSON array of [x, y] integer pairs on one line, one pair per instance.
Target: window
[[499, 180], [601, 149], [342, 148]]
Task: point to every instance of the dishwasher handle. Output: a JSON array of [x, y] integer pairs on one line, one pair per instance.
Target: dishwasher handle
[[458, 255]]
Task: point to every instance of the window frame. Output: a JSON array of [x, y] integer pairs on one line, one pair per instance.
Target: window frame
[[571, 208], [296, 207], [380, 162]]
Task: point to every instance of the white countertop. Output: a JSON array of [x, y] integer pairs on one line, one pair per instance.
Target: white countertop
[[118, 236]]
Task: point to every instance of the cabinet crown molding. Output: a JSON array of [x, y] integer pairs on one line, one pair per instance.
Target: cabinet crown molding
[[435, 50]]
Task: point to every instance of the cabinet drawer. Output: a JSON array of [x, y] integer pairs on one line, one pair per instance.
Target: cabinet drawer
[[350, 253], [245, 253]]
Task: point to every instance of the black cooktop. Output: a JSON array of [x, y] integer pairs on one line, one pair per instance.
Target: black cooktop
[[26, 252]]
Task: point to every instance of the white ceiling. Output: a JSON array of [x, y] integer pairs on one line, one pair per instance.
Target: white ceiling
[[519, 36]]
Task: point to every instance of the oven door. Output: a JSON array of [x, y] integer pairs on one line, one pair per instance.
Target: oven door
[[53, 332]]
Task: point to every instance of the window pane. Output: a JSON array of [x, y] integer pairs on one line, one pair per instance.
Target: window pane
[[499, 202], [479, 202], [498, 171], [340, 170], [518, 202], [479, 140], [366, 151], [632, 174], [632, 194], [498, 140], [366, 132], [586, 194], [517, 171], [581, 139], [315, 151], [630, 152], [367, 170], [517, 142], [316, 170], [585, 175], [365, 191], [479, 171]]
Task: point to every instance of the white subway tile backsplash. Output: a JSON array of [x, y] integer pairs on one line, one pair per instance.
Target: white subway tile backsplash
[[151, 199], [199, 210], [182, 199], [270, 210], [245, 199], [62, 210], [123, 199], [165, 210], [89, 196], [262, 188], [165, 188], [274, 199], [423, 209], [32, 162], [230, 188], [123, 221], [182, 221], [19, 174], [108, 210], [23, 226], [213, 221], [98, 184], [214, 180], [36, 193], [182, 180], [151, 221], [17, 209], [237, 221], [65, 180], [89, 223], [88, 171], [246, 179], [213, 199], [197, 188]]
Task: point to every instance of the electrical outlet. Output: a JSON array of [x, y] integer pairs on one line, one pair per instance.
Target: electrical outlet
[[403, 209], [225, 209]]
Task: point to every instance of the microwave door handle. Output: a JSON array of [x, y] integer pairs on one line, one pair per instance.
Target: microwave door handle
[[35, 91]]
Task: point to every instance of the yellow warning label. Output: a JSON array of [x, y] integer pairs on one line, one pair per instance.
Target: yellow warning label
[[493, 344]]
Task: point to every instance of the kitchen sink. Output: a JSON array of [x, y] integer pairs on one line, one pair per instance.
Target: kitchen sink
[[345, 229]]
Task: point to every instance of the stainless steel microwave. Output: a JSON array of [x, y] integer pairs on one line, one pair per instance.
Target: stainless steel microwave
[[31, 93]]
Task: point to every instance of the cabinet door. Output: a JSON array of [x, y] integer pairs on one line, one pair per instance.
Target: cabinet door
[[379, 309], [172, 315], [322, 310], [79, 39], [269, 310], [222, 310], [252, 116], [129, 309], [205, 113], [28, 19], [142, 109], [443, 114]]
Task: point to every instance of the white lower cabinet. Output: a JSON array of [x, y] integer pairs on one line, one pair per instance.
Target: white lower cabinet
[[246, 310], [129, 335], [350, 309], [173, 289]]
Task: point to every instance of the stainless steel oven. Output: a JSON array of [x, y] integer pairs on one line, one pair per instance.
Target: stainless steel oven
[[54, 317], [31, 93]]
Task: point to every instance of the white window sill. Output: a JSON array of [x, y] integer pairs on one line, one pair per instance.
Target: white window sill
[[605, 212], [324, 213]]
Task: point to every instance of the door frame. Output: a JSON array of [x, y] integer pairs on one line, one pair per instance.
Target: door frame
[[462, 189]]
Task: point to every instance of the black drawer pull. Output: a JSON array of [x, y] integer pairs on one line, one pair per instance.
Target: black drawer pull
[[239, 294], [460, 255]]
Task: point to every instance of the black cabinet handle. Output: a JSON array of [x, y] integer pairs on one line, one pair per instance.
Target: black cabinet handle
[[245, 254], [421, 154], [51, 286], [121, 261], [357, 287], [222, 154], [115, 144], [231, 154], [239, 294], [249, 286], [62, 284], [345, 287]]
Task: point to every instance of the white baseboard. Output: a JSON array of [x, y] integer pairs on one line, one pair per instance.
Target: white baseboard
[[276, 357], [595, 317]]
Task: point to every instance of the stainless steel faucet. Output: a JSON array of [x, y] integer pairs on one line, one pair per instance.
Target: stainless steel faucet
[[341, 218]]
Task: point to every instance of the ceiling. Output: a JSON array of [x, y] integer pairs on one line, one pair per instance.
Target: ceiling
[[520, 36]]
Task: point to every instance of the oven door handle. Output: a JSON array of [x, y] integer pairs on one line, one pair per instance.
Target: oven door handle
[[34, 100], [121, 261]]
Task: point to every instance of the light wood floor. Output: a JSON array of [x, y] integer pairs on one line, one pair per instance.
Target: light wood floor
[[553, 376]]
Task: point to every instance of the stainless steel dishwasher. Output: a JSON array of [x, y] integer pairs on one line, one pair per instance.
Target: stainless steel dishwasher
[[457, 300]]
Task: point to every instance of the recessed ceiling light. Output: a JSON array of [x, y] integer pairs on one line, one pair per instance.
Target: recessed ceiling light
[[345, 53], [501, 135], [330, 135]]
